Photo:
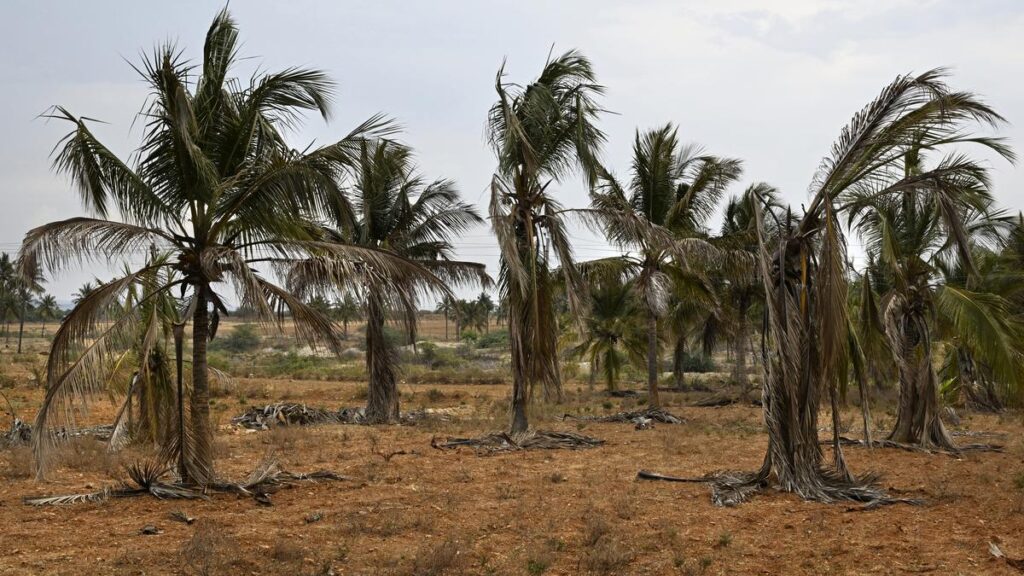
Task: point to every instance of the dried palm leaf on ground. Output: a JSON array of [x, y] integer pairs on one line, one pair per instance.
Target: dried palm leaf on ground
[[529, 440], [655, 414], [885, 443], [1016, 563], [146, 478], [732, 488], [623, 393], [724, 400], [19, 434], [292, 414]]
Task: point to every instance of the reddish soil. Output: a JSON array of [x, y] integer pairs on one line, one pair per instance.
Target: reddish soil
[[541, 512]]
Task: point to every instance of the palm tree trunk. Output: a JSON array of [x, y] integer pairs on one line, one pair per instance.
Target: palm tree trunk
[[520, 385], [653, 400], [445, 326], [382, 402], [917, 417], [678, 357], [179, 340], [202, 433], [21, 326]]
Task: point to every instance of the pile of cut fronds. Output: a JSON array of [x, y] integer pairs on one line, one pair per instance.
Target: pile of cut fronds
[[529, 440], [655, 414]]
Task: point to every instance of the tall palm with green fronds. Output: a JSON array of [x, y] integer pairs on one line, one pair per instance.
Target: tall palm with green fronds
[[397, 212], [8, 293], [915, 236], [612, 333], [48, 309], [660, 223], [218, 192], [541, 133], [347, 309]]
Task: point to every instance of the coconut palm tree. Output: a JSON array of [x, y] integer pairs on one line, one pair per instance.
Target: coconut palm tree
[[48, 310], [486, 307], [8, 293], [396, 211], [541, 133], [611, 334], [915, 236], [217, 191], [347, 309], [804, 271], [659, 222], [446, 308], [83, 292]]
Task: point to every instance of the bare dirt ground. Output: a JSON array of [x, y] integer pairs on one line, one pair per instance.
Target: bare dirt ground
[[542, 512]]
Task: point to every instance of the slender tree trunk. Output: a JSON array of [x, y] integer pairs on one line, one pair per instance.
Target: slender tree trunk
[[520, 366], [653, 400], [382, 403], [42, 331], [179, 341], [678, 358], [739, 369], [202, 431], [445, 326], [344, 328], [21, 326], [592, 377]]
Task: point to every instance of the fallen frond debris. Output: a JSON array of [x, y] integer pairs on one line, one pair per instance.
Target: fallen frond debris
[[291, 414], [1016, 563], [634, 417], [883, 443], [148, 478], [732, 488], [530, 440], [724, 400]]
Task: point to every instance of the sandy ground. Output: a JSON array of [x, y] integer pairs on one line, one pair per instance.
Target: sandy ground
[[542, 512]]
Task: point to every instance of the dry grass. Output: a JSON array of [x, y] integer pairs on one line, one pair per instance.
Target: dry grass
[[437, 559]]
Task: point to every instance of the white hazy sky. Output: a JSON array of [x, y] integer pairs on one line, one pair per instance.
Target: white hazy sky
[[769, 82]]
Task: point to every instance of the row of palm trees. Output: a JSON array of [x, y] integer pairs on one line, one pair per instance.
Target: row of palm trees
[[23, 299], [221, 202]]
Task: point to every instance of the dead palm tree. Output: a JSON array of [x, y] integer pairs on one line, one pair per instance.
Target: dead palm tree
[[808, 330], [396, 212], [541, 133], [218, 192], [915, 236], [659, 222]]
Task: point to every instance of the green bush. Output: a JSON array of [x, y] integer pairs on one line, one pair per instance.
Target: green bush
[[436, 357], [495, 339], [243, 338], [698, 364]]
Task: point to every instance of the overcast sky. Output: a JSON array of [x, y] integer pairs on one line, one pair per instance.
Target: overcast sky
[[772, 86]]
